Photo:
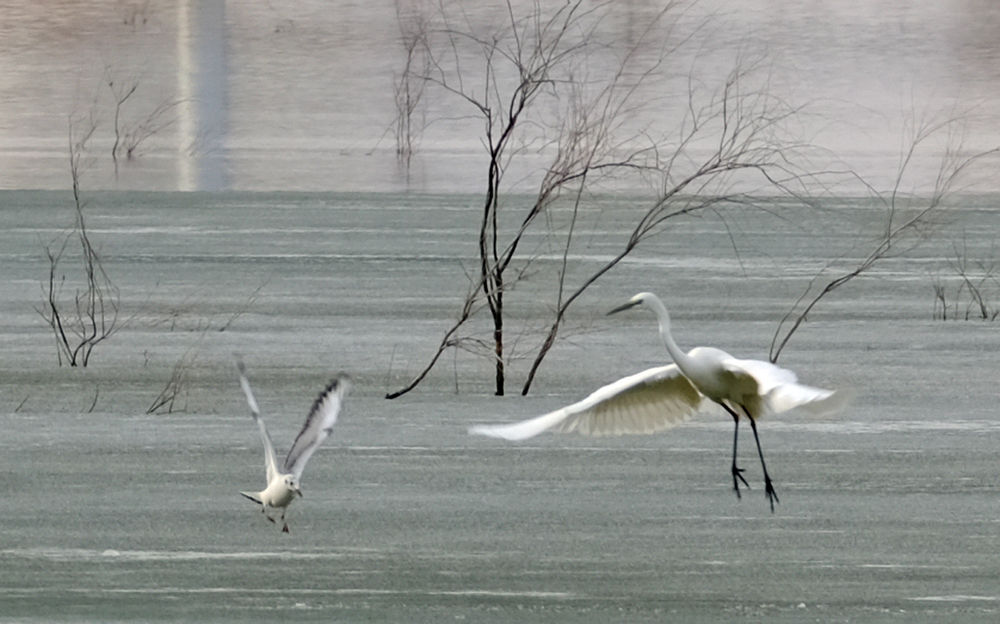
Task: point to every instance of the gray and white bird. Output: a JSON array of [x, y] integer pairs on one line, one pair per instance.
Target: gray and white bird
[[658, 398], [283, 483]]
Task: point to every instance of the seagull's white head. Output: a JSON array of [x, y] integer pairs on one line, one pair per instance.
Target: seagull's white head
[[292, 484]]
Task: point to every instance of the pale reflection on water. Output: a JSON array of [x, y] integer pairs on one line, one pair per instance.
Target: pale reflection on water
[[277, 96]]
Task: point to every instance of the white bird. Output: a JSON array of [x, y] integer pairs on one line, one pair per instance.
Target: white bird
[[283, 485], [661, 397]]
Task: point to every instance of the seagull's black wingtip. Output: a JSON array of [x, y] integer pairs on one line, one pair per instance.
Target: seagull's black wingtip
[[251, 497]]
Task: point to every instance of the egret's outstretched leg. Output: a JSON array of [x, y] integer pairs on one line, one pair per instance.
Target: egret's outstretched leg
[[284, 525], [772, 496], [737, 472]]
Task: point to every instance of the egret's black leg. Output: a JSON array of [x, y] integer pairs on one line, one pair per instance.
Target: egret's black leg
[[772, 496], [736, 471]]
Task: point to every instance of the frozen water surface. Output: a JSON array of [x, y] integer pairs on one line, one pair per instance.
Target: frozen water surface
[[888, 511]]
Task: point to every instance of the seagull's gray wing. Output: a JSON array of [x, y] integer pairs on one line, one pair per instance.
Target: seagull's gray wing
[[646, 402], [270, 461], [319, 423]]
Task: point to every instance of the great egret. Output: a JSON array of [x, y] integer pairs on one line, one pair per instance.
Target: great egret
[[283, 485], [664, 396]]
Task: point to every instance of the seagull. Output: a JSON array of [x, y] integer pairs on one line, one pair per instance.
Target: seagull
[[283, 484], [664, 396]]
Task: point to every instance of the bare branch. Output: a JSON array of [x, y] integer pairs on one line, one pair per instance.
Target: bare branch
[[94, 315], [955, 162], [177, 384], [130, 134]]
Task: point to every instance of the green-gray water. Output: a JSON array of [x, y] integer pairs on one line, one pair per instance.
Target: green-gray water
[[888, 511]]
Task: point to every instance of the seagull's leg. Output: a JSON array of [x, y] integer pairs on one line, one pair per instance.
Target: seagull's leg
[[737, 472], [263, 510], [284, 525], [772, 496]]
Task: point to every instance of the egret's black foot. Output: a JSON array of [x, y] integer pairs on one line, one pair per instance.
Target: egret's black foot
[[737, 478], [284, 529], [772, 496]]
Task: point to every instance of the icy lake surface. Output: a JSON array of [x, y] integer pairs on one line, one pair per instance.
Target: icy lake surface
[[888, 512]]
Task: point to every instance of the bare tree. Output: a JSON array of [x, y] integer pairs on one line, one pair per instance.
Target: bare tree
[[153, 122], [974, 277], [907, 216], [92, 314], [727, 139], [121, 93], [133, 131], [177, 385], [179, 381], [240, 311], [517, 64], [410, 84]]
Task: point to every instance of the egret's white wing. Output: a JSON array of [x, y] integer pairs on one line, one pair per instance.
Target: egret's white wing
[[779, 391], [653, 400], [816, 401], [767, 376], [524, 429], [319, 423], [270, 461]]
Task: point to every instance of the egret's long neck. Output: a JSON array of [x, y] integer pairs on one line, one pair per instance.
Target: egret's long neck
[[680, 358]]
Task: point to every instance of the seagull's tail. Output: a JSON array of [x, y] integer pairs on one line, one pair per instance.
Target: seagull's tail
[[252, 496]]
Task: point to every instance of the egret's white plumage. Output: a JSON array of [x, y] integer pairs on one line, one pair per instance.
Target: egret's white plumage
[[283, 482], [647, 402], [704, 379]]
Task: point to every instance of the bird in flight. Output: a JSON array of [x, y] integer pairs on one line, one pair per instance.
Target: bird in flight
[[283, 483], [664, 396]]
